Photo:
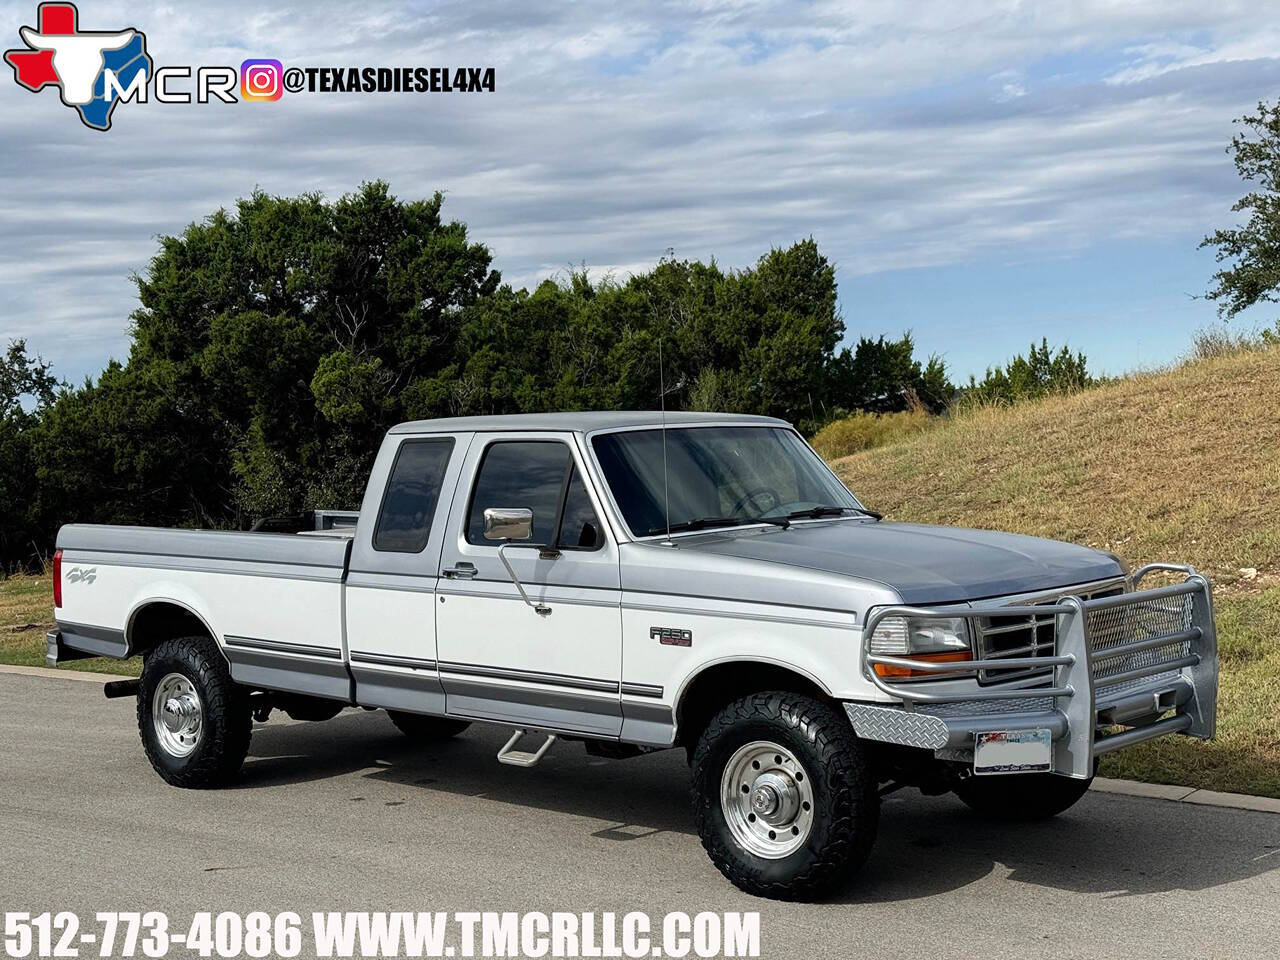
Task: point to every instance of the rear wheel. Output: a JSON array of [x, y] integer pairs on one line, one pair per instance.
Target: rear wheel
[[426, 729], [193, 718], [782, 796], [1022, 796]]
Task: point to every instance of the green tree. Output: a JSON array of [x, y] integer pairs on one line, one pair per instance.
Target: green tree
[[884, 376], [272, 347], [274, 343], [1040, 373], [27, 387], [1251, 252], [756, 340]]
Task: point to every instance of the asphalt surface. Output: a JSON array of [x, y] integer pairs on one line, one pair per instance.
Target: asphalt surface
[[348, 815]]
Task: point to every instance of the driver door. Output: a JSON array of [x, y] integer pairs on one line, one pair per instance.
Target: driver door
[[500, 659]]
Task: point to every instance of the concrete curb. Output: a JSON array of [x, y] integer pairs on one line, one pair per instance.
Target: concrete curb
[[82, 675], [1206, 798], [1127, 788]]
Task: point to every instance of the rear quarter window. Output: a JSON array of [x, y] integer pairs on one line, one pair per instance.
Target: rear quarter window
[[404, 520]]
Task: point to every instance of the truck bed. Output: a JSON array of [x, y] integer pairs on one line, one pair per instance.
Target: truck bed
[[273, 600]]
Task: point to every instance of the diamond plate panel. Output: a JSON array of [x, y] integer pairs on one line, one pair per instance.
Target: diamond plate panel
[[891, 725]]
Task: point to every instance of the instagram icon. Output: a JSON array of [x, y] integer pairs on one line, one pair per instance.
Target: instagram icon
[[260, 80]]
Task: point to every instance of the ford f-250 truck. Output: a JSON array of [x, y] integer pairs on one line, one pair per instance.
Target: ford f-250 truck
[[637, 582]]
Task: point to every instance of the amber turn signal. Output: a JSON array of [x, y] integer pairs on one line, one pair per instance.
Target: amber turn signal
[[887, 670]]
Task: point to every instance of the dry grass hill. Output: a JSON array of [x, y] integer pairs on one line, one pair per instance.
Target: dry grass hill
[[1181, 465]]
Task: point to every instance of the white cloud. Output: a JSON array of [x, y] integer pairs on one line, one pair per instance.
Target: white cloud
[[899, 135]]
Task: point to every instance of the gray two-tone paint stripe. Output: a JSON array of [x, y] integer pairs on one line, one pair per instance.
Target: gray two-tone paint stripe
[[450, 667], [477, 670], [233, 568], [641, 690], [88, 638], [530, 676], [383, 660], [279, 646]]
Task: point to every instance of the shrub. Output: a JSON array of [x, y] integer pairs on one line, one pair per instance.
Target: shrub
[[862, 431]]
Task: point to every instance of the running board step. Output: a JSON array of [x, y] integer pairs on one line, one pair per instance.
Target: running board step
[[524, 758]]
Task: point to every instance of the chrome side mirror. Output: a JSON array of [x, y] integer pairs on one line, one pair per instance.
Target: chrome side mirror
[[513, 524], [508, 525]]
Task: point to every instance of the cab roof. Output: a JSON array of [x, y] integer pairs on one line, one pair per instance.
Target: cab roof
[[581, 422]]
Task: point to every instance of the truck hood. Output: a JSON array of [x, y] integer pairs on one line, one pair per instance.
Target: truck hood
[[923, 564]]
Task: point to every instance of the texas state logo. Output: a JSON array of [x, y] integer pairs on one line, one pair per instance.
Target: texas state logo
[[90, 68]]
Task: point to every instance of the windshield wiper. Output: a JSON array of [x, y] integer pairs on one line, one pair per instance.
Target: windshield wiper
[[814, 513], [702, 523]]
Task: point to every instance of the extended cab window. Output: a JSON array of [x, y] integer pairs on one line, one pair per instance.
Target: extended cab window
[[536, 475], [404, 522]]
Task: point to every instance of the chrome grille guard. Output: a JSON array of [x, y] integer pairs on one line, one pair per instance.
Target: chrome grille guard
[[1124, 660]]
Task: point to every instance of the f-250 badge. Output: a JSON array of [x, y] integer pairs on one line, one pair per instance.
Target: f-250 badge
[[672, 636]]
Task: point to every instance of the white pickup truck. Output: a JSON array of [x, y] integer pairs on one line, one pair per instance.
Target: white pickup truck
[[637, 582]]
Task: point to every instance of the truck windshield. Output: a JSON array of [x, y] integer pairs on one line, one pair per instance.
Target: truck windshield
[[716, 477]]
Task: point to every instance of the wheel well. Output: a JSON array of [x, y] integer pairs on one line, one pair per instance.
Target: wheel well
[[160, 621], [720, 685]]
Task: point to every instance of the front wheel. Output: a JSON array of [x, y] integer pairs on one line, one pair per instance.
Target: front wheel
[[782, 796], [1022, 796], [193, 718]]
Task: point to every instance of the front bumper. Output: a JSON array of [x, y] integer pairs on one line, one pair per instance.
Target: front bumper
[[1125, 669]]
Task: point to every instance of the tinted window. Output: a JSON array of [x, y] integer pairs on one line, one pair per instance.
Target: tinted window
[[579, 529], [739, 473], [520, 474], [404, 522], [531, 475]]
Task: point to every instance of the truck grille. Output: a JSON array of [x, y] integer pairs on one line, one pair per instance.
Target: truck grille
[[1171, 618], [1016, 637]]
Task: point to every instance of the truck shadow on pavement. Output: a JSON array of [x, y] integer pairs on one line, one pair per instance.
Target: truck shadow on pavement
[[1108, 845]]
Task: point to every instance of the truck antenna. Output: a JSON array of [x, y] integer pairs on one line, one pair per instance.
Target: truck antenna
[[662, 406]]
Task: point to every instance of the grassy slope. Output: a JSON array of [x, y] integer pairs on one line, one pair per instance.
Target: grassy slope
[[1181, 466], [26, 615]]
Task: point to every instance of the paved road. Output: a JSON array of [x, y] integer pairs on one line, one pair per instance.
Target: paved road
[[348, 815]]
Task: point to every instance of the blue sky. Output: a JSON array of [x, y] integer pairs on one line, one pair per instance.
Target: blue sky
[[1126, 306], [982, 174]]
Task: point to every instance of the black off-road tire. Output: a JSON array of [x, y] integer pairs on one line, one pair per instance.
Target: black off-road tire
[[424, 729], [1021, 797], [226, 723], [846, 805]]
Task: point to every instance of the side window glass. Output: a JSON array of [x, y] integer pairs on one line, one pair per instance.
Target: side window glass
[[520, 474], [579, 528], [404, 521]]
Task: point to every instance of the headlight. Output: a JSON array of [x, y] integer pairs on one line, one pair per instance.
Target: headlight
[[925, 638], [902, 636]]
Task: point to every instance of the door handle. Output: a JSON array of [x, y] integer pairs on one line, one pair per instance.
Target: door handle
[[461, 571]]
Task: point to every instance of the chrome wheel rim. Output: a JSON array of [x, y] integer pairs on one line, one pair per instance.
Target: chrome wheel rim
[[767, 800], [177, 715]]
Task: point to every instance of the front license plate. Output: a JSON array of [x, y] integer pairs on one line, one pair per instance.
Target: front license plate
[[1013, 751]]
